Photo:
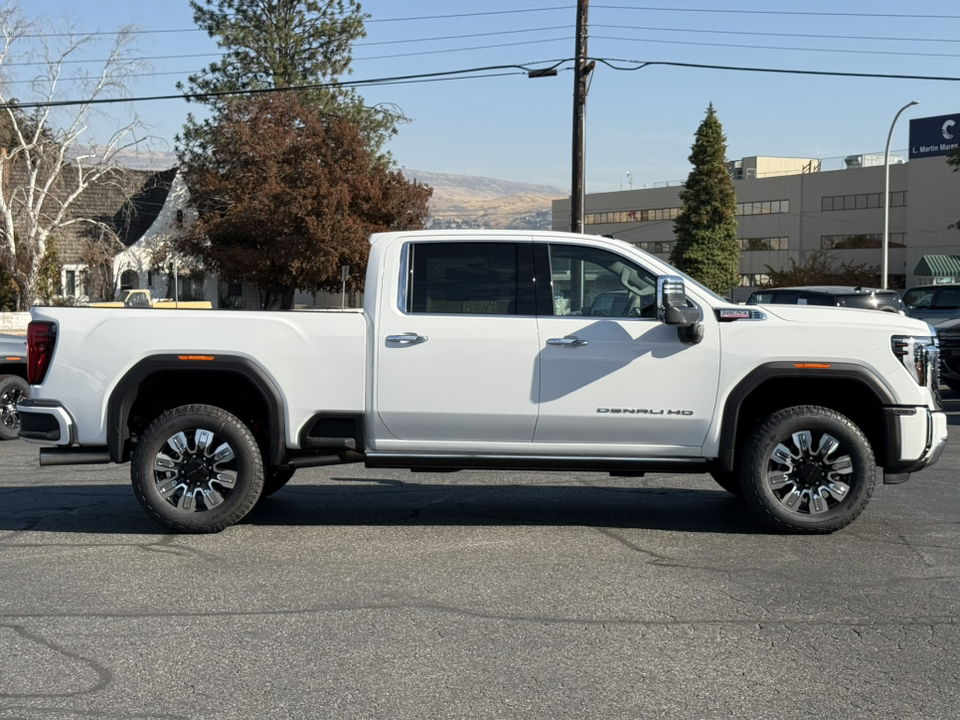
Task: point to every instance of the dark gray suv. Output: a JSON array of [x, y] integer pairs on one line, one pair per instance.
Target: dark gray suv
[[933, 303], [838, 295]]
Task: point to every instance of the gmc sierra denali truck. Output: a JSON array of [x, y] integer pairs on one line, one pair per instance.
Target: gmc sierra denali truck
[[508, 350]]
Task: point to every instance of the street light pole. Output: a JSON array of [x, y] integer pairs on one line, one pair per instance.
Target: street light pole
[[886, 195]]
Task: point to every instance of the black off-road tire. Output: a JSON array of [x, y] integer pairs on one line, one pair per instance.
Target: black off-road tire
[[245, 465], [276, 478], [728, 481], [13, 389], [763, 477]]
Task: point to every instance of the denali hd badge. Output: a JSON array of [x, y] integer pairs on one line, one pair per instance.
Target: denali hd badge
[[642, 411]]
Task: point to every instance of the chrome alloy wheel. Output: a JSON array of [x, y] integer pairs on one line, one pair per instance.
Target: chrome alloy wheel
[[808, 481], [195, 470], [9, 400]]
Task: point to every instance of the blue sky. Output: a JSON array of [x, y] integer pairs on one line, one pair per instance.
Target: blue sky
[[515, 128]]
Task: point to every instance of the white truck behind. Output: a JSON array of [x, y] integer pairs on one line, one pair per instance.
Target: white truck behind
[[497, 349]]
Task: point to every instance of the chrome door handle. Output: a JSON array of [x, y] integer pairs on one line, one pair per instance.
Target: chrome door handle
[[569, 341], [407, 338]]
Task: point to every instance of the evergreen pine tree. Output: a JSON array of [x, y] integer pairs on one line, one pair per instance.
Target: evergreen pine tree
[[707, 247]]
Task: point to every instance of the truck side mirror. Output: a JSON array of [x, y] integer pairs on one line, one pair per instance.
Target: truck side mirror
[[673, 309]]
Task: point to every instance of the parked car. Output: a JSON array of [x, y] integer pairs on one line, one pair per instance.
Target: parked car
[[933, 303], [13, 383], [837, 295], [464, 359]]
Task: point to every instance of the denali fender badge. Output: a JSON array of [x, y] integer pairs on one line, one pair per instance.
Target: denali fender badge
[[642, 411], [731, 315]]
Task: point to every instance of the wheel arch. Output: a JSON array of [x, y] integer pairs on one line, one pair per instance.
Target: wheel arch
[[850, 389], [19, 369], [232, 382]]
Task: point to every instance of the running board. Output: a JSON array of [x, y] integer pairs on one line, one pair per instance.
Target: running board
[[437, 461]]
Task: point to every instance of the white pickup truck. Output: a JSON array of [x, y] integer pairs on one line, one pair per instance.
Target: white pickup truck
[[496, 349]]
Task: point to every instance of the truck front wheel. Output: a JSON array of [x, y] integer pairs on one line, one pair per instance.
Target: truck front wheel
[[808, 469], [197, 469]]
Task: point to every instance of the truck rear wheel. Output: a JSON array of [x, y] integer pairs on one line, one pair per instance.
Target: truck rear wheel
[[13, 390], [197, 469], [808, 469]]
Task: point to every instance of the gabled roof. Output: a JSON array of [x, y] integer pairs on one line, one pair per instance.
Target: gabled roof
[[126, 201]]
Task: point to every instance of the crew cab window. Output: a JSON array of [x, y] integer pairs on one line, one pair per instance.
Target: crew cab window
[[471, 279], [588, 281]]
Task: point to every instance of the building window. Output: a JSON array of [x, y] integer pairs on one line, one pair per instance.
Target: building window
[[191, 287], [766, 207], [656, 247], [71, 283], [859, 242], [632, 216], [865, 201], [777, 243], [234, 289]]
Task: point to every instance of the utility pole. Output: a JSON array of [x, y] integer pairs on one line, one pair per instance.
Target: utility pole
[[580, 72]]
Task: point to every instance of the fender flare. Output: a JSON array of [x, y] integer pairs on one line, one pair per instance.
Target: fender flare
[[124, 395], [776, 370]]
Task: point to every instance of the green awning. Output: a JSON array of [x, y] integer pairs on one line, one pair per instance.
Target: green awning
[[938, 266]]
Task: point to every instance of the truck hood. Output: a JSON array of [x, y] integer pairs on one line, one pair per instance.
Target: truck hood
[[826, 315]]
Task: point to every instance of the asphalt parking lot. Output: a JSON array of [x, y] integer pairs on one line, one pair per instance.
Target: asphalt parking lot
[[371, 594]]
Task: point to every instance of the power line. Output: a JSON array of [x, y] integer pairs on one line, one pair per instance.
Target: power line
[[775, 47], [776, 34], [780, 12], [97, 33], [472, 72], [190, 56], [883, 76], [425, 77]]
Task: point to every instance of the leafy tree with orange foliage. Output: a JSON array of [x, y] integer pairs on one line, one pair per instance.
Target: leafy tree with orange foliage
[[285, 196]]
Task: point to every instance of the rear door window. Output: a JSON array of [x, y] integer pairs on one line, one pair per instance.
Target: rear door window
[[471, 279]]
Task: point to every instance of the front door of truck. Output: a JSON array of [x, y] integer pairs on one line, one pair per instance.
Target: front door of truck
[[457, 347], [611, 374]]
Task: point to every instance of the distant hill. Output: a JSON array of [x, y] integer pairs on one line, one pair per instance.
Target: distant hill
[[467, 201], [459, 201]]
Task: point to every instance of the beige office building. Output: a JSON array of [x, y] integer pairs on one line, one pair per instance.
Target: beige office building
[[790, 207]]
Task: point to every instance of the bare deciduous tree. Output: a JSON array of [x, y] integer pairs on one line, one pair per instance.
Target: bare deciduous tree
[[48, 161]]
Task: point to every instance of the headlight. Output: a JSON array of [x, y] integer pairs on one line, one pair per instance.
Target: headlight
[[919, 355]]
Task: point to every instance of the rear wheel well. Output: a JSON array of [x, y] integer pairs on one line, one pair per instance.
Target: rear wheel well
[[18, 369], [229, 390], [850, 397]]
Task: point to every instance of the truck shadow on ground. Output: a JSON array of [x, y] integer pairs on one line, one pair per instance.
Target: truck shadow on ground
[[112, 509]]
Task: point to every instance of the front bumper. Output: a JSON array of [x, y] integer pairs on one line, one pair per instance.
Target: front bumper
[[916, 438]]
